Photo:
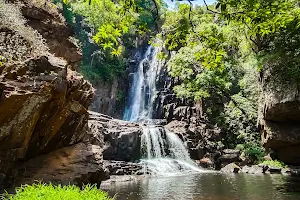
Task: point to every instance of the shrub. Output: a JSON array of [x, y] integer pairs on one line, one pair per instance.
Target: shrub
[[252, 150], [50, 192], [274, 163]]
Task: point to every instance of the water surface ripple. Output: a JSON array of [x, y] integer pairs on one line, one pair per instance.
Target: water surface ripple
[[210, 186]]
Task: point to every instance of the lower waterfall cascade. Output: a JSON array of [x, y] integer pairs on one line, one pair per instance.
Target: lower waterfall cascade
[[163, 152]]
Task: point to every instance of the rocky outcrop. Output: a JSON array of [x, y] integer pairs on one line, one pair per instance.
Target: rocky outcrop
[[231, 168], [279, 116], [43, 104], [44, 16], [122, 139], [229, 156], [78, 164], [255, 169], [123, 168], [200, 139], [105, 98]]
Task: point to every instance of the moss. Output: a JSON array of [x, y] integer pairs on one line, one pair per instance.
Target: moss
[[274, 163], [49, 192]]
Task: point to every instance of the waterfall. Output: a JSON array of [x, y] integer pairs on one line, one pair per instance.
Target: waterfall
[[143, 89], [163, 153]]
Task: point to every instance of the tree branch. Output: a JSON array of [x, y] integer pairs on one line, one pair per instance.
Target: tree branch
[[207, 8], [156, 13]]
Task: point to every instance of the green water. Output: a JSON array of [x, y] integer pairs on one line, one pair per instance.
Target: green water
[[209, 186]]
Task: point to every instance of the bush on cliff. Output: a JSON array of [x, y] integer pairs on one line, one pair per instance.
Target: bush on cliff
[[50, 192]]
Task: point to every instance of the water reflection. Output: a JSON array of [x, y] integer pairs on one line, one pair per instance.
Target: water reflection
[[210, 187]]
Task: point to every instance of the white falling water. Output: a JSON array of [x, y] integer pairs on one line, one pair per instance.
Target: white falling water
[[143, 89], [163, 152]]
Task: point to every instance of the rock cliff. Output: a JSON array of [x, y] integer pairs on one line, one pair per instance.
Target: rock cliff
[[279, 116], [43, 104], [186, 118]]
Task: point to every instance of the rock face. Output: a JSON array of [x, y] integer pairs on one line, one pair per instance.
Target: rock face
[[229, 156], [122, 139], [185, 118], [123, 168], [280, 117], [231, 168], [43, 104], [105, 98], [78, 164], [200, 139]]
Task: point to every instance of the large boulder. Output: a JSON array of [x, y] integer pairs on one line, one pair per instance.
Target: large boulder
[[41, 112], [122, 139], [254, 169], [78, 164], [279, 116], [229, 156], [231, 168]]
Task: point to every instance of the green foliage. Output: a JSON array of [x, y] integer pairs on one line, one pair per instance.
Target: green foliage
[[176, 28], [261, 17], [214, 61], [113, 20], [204, 55], [273, 28], [274, 163], [112, 25], [254, 151], [49, 192], [105, 16], [103, 66]]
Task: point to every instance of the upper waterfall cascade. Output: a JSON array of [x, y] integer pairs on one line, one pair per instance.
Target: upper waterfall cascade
[[143, 88], [163, 153]]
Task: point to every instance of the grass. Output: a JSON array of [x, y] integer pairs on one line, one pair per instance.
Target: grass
[[274, 163], [41, 191]]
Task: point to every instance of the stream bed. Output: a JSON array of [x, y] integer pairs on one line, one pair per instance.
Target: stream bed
[[209, 186]]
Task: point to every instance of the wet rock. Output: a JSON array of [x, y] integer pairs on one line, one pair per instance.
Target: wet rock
[[254, 169], [122, 168], [206, 163], [295, 171], [229, 156], [231, 151], [119, 172], [140, 172], [231, 168], [122, 141], [119, 179], [286, 171], [274, 170]]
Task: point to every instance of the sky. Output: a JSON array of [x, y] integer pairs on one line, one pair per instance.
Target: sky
[[195, 2]]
